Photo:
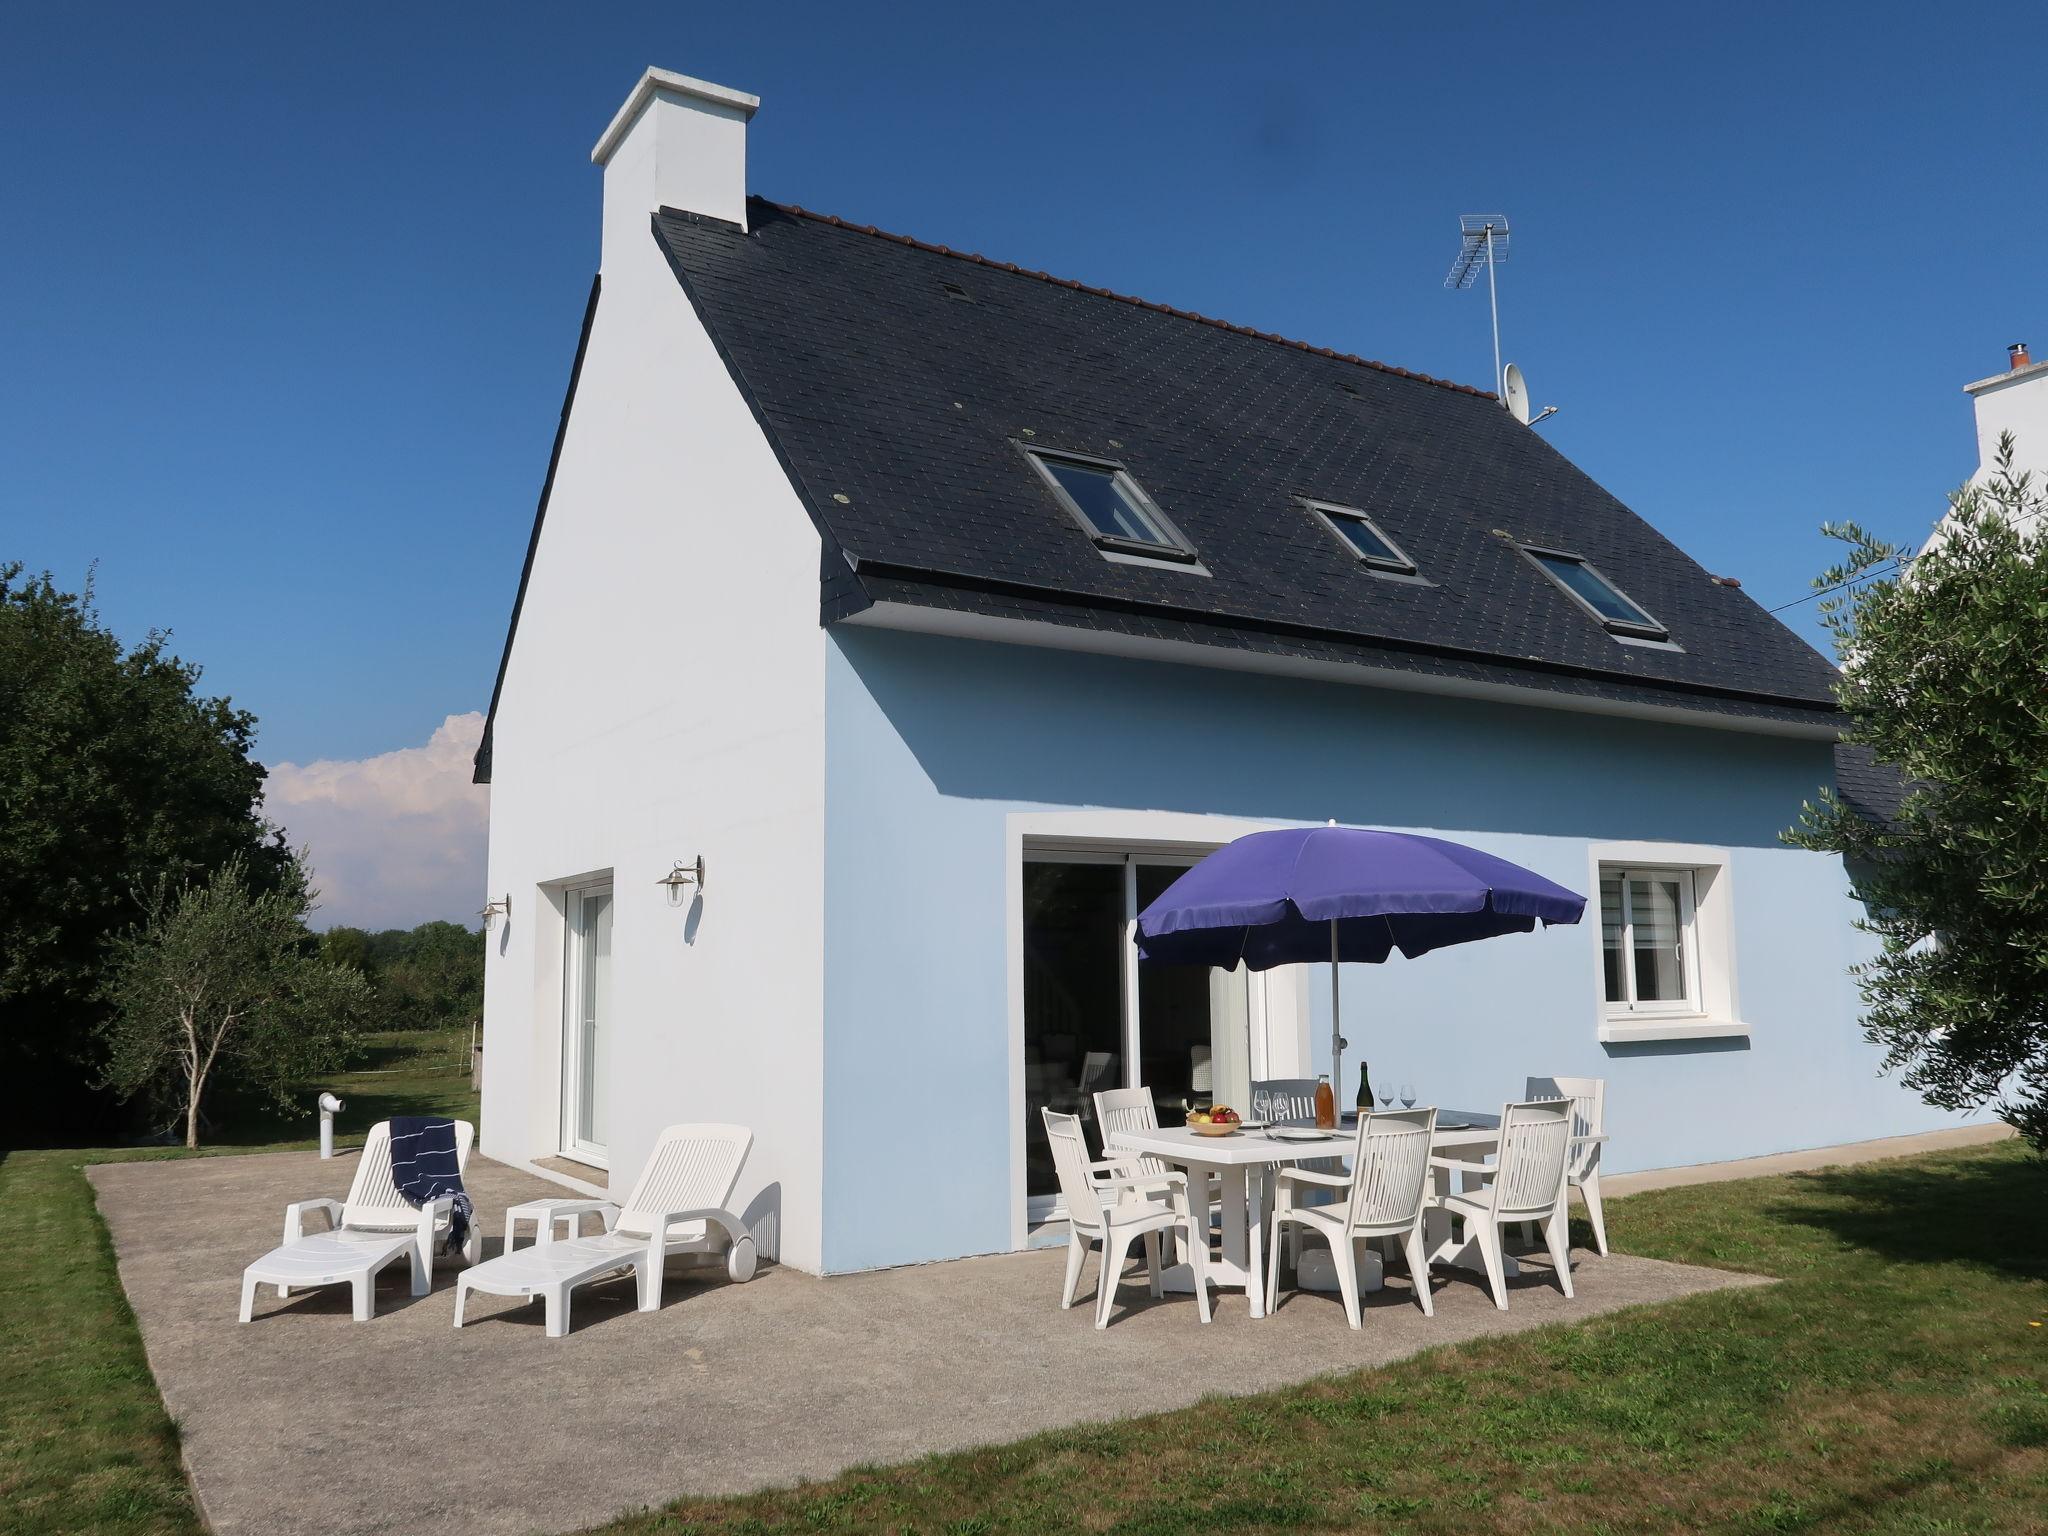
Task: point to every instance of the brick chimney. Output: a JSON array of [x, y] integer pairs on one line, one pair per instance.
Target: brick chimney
[[2017, 355], [675, 143]]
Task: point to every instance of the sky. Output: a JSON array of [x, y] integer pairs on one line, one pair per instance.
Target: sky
[[288, 295]]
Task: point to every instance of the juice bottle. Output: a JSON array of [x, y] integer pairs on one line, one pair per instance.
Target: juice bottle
[[1326, 1103]]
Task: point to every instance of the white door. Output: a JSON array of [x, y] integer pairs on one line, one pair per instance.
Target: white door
[[586, 1024]]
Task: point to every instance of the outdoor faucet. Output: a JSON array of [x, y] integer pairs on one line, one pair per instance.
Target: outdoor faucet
[[330, 1106]]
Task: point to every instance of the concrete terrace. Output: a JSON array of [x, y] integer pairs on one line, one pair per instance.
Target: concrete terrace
[[292, 1424]]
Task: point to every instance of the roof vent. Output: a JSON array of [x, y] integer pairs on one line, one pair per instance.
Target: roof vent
[[955, 291]]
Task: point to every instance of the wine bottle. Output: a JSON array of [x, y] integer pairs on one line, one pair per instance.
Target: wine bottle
[[1364, 1089]]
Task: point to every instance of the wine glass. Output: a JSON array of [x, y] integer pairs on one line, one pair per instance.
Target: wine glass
[[1386, 1093], [1407, 1095]]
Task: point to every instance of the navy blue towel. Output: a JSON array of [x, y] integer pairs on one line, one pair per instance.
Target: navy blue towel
[[424, 1166]]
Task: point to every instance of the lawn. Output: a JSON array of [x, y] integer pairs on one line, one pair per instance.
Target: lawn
[[1895, 1381], [85, 1444]]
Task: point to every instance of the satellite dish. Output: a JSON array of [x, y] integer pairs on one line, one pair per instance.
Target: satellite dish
[[1514, 393]]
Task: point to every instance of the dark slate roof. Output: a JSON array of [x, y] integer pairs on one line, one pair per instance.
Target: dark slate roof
[[896, 407], [1872, 788]]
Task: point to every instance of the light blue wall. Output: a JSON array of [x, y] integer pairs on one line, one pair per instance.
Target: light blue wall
[[932, 743]]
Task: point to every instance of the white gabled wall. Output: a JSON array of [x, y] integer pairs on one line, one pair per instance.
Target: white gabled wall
[[664, 698]]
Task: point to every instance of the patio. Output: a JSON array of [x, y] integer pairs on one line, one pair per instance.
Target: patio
[[289, 1423]]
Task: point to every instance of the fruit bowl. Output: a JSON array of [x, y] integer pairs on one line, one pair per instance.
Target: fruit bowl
[[1210, 1125]]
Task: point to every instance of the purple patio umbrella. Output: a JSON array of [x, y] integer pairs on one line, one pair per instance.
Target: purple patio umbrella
[[1343, 893]]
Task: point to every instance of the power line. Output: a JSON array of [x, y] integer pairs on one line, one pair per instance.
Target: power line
[[1840, 586]]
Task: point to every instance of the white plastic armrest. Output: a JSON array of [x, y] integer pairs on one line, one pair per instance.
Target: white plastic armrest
[[610, 1213], [711, 1216], [295, 1216], [1588, 1141], [1146, 1181], [1459, 1165], [432, 1212], [1310, 1176]]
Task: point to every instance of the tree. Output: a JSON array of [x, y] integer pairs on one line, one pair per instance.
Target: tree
[[115, 775], [1945, 677], [437, 978], [429, 977], [224, 984]]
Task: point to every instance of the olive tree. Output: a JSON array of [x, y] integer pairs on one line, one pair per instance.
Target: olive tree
[[222, 984], [1945, 677]]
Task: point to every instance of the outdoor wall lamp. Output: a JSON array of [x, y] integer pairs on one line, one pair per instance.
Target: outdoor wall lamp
[[681, 878], [502, 907]]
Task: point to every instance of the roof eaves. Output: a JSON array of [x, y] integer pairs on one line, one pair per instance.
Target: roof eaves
[[1222, 622]]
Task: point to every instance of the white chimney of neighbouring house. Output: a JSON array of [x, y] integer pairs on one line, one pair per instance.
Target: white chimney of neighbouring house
[[2014, 401], [676, 143]]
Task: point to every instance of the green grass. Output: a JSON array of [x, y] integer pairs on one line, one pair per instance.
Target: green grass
[[1894, 1381], [85, 1443]]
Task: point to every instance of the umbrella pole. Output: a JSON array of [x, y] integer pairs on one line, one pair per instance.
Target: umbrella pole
[[1336, 1019]]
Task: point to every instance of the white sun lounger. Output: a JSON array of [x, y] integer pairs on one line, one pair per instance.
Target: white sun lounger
[[548, 1272], [677, 1207], [374, 1227], [332, 1258]]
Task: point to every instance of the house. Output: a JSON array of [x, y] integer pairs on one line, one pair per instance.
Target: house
[[897, 622], [2015, 402]]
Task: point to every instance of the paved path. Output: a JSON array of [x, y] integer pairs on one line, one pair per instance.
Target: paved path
[[292, 1423]]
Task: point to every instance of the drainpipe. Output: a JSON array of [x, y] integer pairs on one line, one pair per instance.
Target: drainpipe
[[330, 1106]]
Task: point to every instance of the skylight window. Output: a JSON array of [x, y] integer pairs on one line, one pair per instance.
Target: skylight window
[[1102, 497], [1595, 593], [1363, 537]]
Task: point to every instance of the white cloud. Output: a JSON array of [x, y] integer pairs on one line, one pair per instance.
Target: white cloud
[[395, 839]]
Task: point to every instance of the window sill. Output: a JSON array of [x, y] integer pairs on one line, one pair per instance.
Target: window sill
[[1636, 1027]]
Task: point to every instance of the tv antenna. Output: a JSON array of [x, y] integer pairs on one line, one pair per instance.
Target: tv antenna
[[1483, 242]]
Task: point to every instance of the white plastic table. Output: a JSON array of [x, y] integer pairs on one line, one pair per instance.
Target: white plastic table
[[1246, 1162]]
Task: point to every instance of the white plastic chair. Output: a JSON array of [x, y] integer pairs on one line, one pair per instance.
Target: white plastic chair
[[678, 1206], [1109, 1204], [1524, 1184], [1291, 1101], [1132, 1109], [1383, 1196], [1127, 1109], [373, 1227], [1285, 1100], [1588, 1096]]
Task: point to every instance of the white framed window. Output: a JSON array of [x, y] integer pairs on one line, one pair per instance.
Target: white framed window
[[1649, 946], [1664, 966]]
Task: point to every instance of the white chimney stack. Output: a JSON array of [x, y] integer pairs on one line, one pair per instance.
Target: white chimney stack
[[676, 143], [2014, 401]]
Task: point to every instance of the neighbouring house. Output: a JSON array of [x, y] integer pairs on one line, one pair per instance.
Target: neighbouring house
[[2016, 402], [898, 622]]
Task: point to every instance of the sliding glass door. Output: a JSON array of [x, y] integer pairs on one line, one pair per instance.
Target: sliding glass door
[[1097, 1017]]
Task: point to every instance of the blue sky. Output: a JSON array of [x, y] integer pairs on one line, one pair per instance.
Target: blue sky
[[289, 295]]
